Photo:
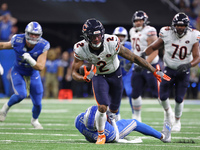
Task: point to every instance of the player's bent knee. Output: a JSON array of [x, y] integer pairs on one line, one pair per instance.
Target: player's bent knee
[[102, 108], [163, 97], [135, 95], [179, 99]]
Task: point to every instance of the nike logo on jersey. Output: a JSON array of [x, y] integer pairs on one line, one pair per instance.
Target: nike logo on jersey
[[119, 76], [37, 77], [15, 73], [187, 72]]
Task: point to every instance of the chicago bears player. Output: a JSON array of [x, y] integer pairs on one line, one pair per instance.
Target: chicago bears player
[[142, 35], [116, 131], [31, 52], [101, 50], [181, 45], [126, 65]]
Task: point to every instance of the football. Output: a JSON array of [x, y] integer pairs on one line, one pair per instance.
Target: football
[[81, 69]]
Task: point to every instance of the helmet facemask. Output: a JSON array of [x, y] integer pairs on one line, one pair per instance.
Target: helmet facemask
[[91, 29], [180, 19], [123, 32], [35, 29], [140, 15]]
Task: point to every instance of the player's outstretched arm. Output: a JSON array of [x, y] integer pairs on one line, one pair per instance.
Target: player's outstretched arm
[[124, 52], [5, 45]]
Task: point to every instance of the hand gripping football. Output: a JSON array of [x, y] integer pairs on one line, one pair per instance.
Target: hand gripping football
[[81, 69]]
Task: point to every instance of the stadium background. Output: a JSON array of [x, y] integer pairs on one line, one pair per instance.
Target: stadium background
[[62, 20]]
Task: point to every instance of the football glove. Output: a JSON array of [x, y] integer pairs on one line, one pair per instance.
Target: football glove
[[160, 75], [138, 68], [29, 59], [143, 55], [89, 74], [183, 67], [127, 66]]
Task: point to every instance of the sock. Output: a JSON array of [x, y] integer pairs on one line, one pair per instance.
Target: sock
[[178, 109], [137, 106], [166, 105], [100, 121], [147, 130], [36, 111]]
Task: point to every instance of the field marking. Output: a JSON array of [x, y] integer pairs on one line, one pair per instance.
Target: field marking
[[130, 137], [75, 142], [92, 101]]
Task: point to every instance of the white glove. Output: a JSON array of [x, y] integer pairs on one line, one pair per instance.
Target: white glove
[[1, 70], [29, 59]]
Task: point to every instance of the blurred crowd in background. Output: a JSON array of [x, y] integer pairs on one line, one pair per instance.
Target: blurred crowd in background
[[56, 76]]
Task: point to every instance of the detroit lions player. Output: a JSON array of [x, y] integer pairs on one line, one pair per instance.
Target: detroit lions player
[[101, 50], [31, 52], [125, 65], [114, 131], [142, 35], [181, 45]]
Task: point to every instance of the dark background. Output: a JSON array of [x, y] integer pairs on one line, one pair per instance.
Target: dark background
[[62, 20]]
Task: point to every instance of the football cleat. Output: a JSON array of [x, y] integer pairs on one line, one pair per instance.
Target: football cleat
[[36, 124], [169, 116], [176, 126], [166, 131], [101, 139], [3, 112]]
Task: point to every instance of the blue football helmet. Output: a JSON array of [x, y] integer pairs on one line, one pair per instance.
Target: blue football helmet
[[121, 31], [140, 15], [93, 27], [180, 19], [89, 118], [33, 28]]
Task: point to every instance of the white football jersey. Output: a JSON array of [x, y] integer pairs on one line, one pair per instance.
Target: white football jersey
[[139, 40], [107, 61], [178, 51]]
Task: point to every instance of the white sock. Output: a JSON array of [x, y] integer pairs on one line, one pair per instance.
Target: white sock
[[166, 105], [100, 120], [5, 107], [178, 109], [137, 103]]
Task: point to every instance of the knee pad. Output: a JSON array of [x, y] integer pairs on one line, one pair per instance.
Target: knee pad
[[179, 99]]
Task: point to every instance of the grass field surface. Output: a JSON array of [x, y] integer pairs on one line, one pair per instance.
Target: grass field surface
[[59, 133]]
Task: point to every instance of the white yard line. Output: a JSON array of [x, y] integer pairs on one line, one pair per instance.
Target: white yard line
[[92, 101]]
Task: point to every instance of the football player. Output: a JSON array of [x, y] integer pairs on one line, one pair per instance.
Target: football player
[[116, 131], [31, 52], [125, 65], [142, 35], [181, 52], [102, 51]]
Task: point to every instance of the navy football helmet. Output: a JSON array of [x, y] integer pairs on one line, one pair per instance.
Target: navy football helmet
[[182, 20], [91, 28], [33, 28], [140, 15]]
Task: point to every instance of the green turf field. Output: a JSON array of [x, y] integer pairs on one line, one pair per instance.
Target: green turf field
[[59, 133]]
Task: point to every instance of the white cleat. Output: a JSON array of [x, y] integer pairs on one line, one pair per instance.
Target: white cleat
[[3, 112], [169, 116], [166, 131], [36, 124], [176, 126], [138, 118]]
